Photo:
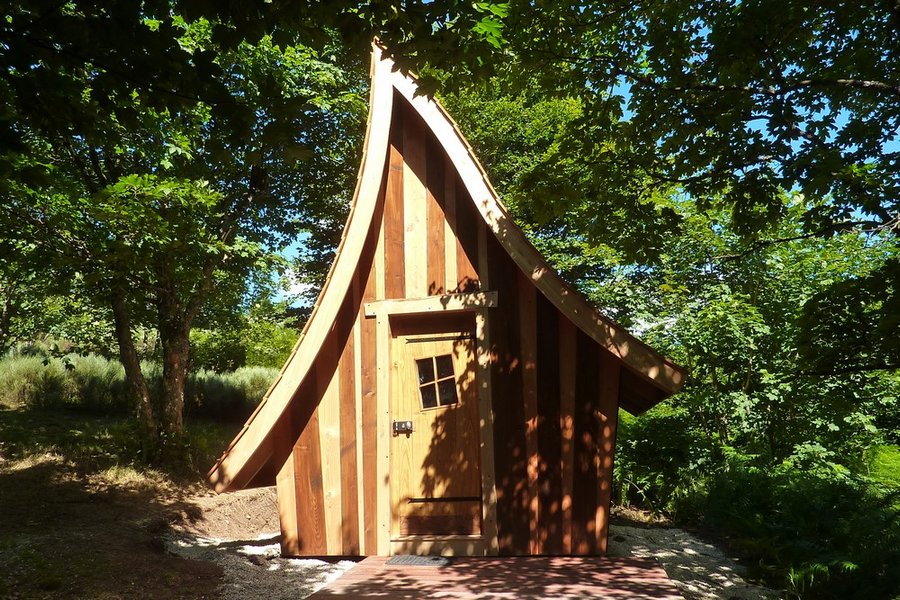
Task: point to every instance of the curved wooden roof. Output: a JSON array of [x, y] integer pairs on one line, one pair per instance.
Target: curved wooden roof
[[249, 448]]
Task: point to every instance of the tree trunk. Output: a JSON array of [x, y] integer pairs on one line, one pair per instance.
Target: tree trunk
[[175, 338], [146, 415], [5, 324]]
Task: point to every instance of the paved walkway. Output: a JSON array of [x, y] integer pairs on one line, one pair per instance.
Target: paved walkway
[[512, 578]]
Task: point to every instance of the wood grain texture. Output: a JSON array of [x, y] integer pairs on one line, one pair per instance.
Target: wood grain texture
[[329, 429], [528, 332], [450, 241], [436, 282], [285, 493], [567, 423], [585, 486], [439, 460], [347, 369], [467, 246], [447, 303], [486, 431], [608, 411], [384, 513], [308, 486], [394, 226], [508, 409], [549, 434], [415, 228], [483, 341], [368, 425]]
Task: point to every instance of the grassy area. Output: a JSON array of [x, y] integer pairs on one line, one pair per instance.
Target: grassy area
[[95, 384], [82, 518], [884, 464], [95, 443]]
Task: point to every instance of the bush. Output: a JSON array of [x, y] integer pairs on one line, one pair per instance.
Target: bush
[[228, 396], [32, 382], [94, 384], [813, 527], [100, 384], [217, 350], [660, 457], [820, 535]]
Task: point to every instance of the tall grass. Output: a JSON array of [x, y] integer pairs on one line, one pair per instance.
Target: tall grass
[[95, 384], [27, 380], [226, 396]]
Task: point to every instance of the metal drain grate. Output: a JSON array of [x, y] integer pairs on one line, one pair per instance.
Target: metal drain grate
[[419, 561]]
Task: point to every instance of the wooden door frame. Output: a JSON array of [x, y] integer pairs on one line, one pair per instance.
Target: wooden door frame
[[478, 303]]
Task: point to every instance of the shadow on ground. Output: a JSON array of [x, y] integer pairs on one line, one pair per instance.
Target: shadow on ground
[[76, 521]]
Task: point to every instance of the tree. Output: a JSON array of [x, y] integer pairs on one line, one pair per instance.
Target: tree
[[158, 197], [736, 106]]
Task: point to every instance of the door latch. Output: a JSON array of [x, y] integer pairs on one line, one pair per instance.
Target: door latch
[[401, 427]]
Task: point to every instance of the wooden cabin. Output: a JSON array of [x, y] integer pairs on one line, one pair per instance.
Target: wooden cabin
[[450, 394]]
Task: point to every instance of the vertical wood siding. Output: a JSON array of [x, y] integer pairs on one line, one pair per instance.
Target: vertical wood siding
[[549, 433], [554, 391]]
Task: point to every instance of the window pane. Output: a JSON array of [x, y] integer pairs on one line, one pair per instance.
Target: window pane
[[447, 391], [444, 366], [429, 398], [426, 370]]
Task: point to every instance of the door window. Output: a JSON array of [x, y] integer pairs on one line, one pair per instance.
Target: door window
[[437, 381]]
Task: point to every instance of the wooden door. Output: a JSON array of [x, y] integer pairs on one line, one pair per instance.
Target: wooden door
[[435, 472]]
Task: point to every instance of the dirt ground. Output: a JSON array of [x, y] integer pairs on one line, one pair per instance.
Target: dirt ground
[[70, 535], [77, 522]]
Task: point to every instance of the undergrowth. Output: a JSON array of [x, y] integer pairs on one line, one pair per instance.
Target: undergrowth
[[818, 530], [104, 446], [97, 385]]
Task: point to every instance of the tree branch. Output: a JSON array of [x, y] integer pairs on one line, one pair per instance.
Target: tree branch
[[833, 228], [884, 366]]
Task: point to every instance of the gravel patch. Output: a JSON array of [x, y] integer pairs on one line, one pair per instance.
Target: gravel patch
[[239, 532], [700, 571], [255, 568]]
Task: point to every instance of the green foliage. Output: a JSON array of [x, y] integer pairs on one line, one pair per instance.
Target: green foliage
[[822, 535], [217, 349], [93, 384], [270, 344], [661, 456], [263, 336], [27, 381], [883, 464], [228, 396], [100, 384], [157, 183], [717, 99]]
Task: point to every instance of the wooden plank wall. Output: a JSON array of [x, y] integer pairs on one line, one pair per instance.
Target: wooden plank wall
[[555, 406], [555, 392], [421, 243]]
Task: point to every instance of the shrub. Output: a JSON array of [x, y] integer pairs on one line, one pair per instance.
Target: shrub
[[228, 396], [94, 384], [100, 384], [217, 350], [35, 382], [820, 535], [269, 344], [660, 458]]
